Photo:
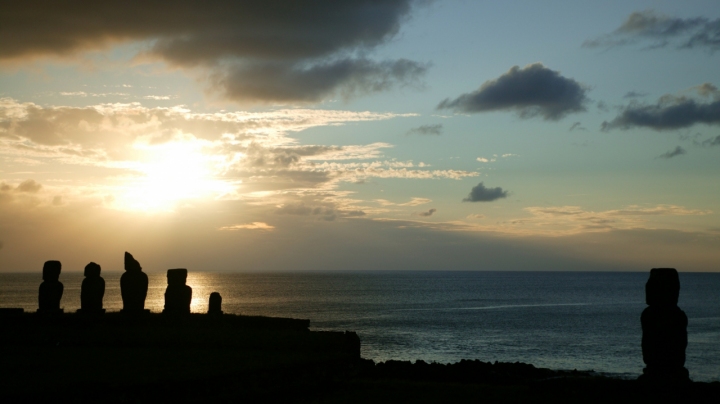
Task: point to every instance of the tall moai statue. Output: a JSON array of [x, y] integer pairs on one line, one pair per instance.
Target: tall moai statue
[[92, 290], [133, 286], [51, 289], [178, 295], [664, 327], [215, 304]]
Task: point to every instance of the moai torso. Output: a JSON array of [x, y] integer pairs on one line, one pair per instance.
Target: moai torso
[[178, 295], [133, 285], [93, 289], [51, 289], [215, 303], [664, 327]]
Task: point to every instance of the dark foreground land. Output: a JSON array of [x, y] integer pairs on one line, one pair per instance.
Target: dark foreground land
[[154, 358]]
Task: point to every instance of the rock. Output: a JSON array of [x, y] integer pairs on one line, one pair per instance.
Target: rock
[[133, 286], [51, 290], [178, 295], [664, 328], [92, 290], [215, 304]]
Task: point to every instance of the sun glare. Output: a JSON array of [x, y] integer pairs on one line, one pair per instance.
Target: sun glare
[[170, 173]]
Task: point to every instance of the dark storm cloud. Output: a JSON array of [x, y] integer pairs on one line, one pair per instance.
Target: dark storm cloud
[[679, 151], [293, 82], [662, 30], [272, 50], [435, 130], [531, 91], [480, 193], [190, 32], [668, 113]]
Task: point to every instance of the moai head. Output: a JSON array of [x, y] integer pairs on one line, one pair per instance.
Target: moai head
[[92, 270], [663, 287], [131, 264], [177, 276], [51, 271]]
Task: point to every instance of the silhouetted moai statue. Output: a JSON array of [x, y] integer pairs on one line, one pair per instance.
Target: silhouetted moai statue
[[215, 304], [92, 291], [51, 290], [664, 328], [133, 286], [178, 295]]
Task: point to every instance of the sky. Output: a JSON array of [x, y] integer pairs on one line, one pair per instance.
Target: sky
[[360, 135]]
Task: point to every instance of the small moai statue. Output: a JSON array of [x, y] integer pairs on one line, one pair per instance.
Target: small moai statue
[[215, 304], [51, 290], [92, 290], [178, 295], [133, 286], [664, 327]]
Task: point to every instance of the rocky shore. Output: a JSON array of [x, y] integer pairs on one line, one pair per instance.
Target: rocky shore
[[153, 357]]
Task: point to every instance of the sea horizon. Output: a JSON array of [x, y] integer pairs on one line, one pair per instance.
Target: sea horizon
[[557, 319]]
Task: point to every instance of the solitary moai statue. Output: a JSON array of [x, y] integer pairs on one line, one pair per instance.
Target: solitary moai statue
[[215, 304], [133, 286], [51, 290], [92, 290], [664, 328], [178, 295]]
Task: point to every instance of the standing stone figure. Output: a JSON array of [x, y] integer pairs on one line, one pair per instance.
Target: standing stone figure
[[133, 286], [51, 290], [92, 290], [664, 328], [215, 304], [178, 295]]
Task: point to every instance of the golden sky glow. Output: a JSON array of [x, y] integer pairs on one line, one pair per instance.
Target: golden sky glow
[[435, 135]]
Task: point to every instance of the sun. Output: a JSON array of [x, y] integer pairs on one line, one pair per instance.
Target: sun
[[169, 174]]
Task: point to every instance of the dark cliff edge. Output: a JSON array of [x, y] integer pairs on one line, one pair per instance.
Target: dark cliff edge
[[159, 358]]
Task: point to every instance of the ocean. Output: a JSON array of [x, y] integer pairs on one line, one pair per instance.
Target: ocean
[[559, 320]]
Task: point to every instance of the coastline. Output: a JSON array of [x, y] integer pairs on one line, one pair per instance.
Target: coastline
[[160, 358]]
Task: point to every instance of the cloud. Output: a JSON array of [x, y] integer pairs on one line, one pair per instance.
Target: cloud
[[428, 213], [435, 130], [29, 186], [300, 209], [531, 91], [576, 126], [708, 90], [416, 202], [269, 51], [710, 142], [574, 220], [662, 30], [288, 82], [480, 193], [670, 112], [476, 216], [227, 155], [679, 151], [485, 160], [634, 94], [248, 226]]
